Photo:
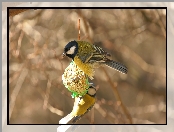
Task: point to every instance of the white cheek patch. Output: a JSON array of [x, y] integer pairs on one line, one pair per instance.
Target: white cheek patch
[[71, 51]]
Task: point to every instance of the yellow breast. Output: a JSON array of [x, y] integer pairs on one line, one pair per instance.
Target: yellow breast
[[85, 67], [81, 107]]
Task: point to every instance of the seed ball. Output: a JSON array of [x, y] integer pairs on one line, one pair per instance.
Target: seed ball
[[75, 80]]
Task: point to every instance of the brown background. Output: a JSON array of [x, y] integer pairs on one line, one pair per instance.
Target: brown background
[[133, 37]]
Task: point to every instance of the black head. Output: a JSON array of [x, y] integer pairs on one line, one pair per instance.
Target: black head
[[71, 49]]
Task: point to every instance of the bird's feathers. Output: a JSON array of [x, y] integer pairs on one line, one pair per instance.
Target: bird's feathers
[[118, 66]]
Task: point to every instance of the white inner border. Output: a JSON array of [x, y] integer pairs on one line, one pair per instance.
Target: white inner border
[[87, 128]]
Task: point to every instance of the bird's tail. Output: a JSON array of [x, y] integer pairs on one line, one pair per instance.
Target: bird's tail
[[66, 119], [117, 66]]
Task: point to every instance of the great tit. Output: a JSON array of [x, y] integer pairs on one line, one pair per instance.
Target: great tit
[[82, 105], [88, 56]]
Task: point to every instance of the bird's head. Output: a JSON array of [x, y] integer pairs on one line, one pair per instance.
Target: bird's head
[[71, 49]]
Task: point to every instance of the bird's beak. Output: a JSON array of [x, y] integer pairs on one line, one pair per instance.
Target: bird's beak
[[63, 55]]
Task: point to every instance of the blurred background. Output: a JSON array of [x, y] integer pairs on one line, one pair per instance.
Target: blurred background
[[134, 37]]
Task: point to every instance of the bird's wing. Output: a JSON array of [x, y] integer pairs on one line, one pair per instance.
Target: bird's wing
[[96, 55], [99, 55], [85, 57]]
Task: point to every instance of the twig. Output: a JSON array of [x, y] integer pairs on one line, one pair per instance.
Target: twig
[[37, 51], [52, 109], [55, 110], [141, 121], [19, 43], [17, 89], [16, 74], [160, 22], [102, 112], [59, 59], [92, 116], [85, 25], [145, 66], [13, 12], [79, 29], [45, 105], [117, 95], [137, 59]]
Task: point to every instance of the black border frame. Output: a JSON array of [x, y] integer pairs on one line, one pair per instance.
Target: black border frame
[[76, 8]]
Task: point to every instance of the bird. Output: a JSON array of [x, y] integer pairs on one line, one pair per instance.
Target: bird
[[88, 56], [82, 105]]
